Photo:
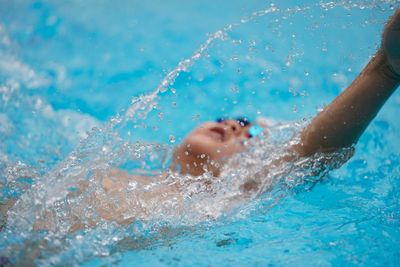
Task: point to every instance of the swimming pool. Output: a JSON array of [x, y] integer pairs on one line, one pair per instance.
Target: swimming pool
[[68, 67]]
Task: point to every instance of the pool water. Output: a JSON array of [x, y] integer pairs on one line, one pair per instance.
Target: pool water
[[75, 75]]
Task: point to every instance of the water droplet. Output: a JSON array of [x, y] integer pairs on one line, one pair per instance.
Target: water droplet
[[235, 89], [131, 186], [293, 91], [171, 139], [196, 117], [163, 88]]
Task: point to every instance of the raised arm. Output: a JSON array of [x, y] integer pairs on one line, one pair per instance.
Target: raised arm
[[344, 120]]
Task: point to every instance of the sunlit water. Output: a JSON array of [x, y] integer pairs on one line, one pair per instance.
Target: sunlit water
[[84, 92]]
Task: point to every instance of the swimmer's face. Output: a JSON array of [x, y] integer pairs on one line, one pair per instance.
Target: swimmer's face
[[209, 146]]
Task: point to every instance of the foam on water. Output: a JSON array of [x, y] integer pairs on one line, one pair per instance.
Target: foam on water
[[71, 196]]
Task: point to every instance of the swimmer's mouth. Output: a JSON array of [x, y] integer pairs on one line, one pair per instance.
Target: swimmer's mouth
[[218, 133]]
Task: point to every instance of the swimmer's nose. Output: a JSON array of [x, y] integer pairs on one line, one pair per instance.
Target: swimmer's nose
[[233, 127]]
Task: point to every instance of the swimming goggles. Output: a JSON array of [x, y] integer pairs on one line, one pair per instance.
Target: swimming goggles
[[253, 131]]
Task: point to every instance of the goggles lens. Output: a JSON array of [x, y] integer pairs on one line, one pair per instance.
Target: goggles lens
[[253, 131]]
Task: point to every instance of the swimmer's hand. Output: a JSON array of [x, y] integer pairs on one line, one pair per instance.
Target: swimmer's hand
[[345, 119], [391, 43]]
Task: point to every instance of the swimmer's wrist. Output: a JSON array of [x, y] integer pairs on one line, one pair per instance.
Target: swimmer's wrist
[[385, 68]]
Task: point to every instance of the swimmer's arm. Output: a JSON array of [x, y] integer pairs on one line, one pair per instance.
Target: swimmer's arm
[[343, 121]]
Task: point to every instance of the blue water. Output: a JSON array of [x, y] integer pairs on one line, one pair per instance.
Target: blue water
[[68, 67]]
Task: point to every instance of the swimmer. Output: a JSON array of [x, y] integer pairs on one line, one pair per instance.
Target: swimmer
[[338, 126], [208, 147]]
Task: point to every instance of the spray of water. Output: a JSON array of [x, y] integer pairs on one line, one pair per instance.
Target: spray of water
[[83, 191]]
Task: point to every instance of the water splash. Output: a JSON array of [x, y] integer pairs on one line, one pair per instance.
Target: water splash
[[105, 148]]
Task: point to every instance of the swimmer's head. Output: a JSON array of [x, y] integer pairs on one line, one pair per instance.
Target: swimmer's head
[[209, 145]]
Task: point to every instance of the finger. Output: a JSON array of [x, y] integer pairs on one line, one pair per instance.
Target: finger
[[394, 21]]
